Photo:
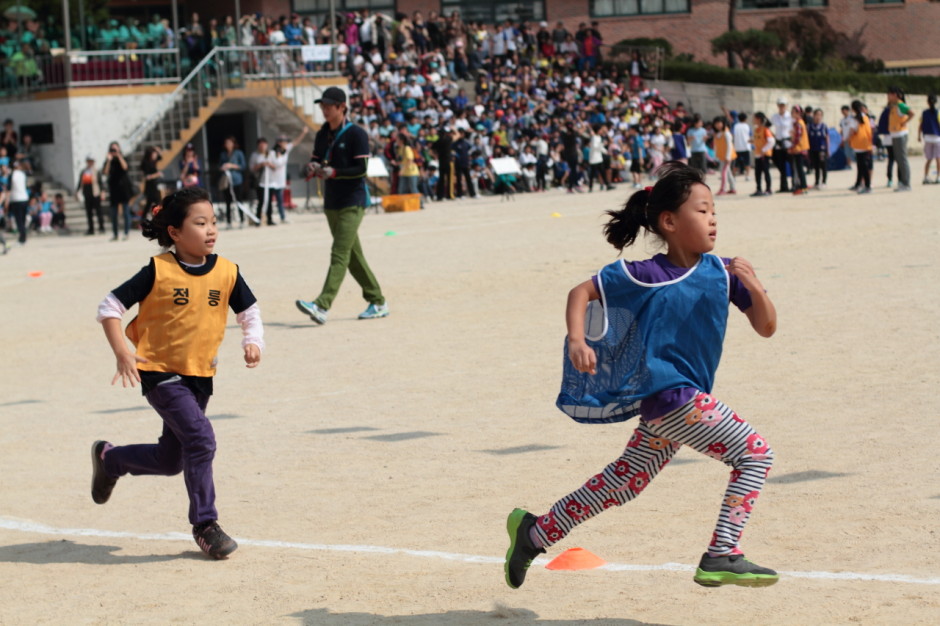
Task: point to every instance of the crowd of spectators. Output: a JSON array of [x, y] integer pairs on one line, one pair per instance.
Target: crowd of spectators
[[25, 206]]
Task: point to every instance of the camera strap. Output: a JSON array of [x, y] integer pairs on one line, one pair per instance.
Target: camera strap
[[329, 153]]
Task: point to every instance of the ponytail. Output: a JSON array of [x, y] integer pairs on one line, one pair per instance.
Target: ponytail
[[643, 208], [624, 225]]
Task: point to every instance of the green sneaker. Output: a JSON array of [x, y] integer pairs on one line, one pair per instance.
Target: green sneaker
[[521, 550], [733, 569]]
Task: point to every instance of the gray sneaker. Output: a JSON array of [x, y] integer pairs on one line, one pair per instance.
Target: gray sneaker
[[734, 569], [317, 314]]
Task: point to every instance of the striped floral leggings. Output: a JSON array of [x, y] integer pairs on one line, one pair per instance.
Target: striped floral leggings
[[704, 424]]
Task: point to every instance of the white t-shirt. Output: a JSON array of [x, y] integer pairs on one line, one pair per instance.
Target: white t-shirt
[[264, 174], [596, 150], [525, 158], [783, 127], [18, 190], [742, 137], [846, 126], [657, 143], [278, 178]]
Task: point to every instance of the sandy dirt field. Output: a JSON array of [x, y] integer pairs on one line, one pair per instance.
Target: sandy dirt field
[[367, 467]]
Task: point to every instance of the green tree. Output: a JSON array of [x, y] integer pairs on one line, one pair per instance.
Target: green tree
[[755, 47], [807, 38]]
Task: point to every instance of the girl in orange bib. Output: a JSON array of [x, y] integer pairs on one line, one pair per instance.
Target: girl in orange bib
[[184, 297]]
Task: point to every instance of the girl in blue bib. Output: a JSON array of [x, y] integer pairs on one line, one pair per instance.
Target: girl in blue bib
[[644, 340]]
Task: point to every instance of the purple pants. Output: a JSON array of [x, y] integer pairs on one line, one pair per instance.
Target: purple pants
[[187, 445]]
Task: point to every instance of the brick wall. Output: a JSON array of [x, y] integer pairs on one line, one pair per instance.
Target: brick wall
[[894, 32], [891, 32]]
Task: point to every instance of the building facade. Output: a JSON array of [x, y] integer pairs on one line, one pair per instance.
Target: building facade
[[905, 34]]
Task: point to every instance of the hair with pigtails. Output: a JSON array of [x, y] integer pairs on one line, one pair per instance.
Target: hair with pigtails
[[643, 208], [171, 212]]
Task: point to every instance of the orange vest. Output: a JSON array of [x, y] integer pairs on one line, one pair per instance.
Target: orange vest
[[181, 322], [861, 139], [896, 122], [803, 146], [761, 136], [721, 146]]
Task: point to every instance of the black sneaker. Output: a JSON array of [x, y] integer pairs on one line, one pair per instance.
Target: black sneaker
[[734, 569], [521, 550], [212, 539], [101, 483]]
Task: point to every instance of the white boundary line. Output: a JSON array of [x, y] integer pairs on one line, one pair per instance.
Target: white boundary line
[[42, 529]]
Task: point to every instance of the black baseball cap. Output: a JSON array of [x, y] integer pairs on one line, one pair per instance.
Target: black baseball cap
[[332, 95]]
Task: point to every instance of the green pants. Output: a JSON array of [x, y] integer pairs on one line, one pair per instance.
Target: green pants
[[346, 253]]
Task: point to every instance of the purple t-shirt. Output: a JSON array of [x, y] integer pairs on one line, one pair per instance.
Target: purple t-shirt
[[659, 270]]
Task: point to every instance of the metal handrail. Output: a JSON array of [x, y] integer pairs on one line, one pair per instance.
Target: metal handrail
[[170, 101], [121, 51], [219, 56]]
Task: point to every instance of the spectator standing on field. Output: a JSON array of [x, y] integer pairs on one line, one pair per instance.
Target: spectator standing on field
[[819, 148], [885, 135], [19, 199], [88, 189], [742, 145], [782, 123], [799, 146], [696, 137], [929, 133], [845, 129], [898, 117], [763, 150]]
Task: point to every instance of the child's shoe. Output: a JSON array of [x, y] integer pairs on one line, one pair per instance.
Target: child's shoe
[[733, 569], [521, 550], [101, 483], [213, 541]]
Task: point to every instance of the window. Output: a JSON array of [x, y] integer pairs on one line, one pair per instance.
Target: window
[[884, 1], [492, 12], [322, 7], [609, 8], [781, 4]]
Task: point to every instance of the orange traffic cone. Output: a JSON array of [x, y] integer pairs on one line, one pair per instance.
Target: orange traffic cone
[[575, 559]]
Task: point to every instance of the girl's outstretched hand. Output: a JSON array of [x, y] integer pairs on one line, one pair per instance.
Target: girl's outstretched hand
[[252, 355], [127, 369], [582, 357]]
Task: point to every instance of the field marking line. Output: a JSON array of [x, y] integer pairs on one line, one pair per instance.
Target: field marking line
[[26, 526]]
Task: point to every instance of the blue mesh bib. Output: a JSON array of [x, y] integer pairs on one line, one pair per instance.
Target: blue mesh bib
[[648, 338]]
